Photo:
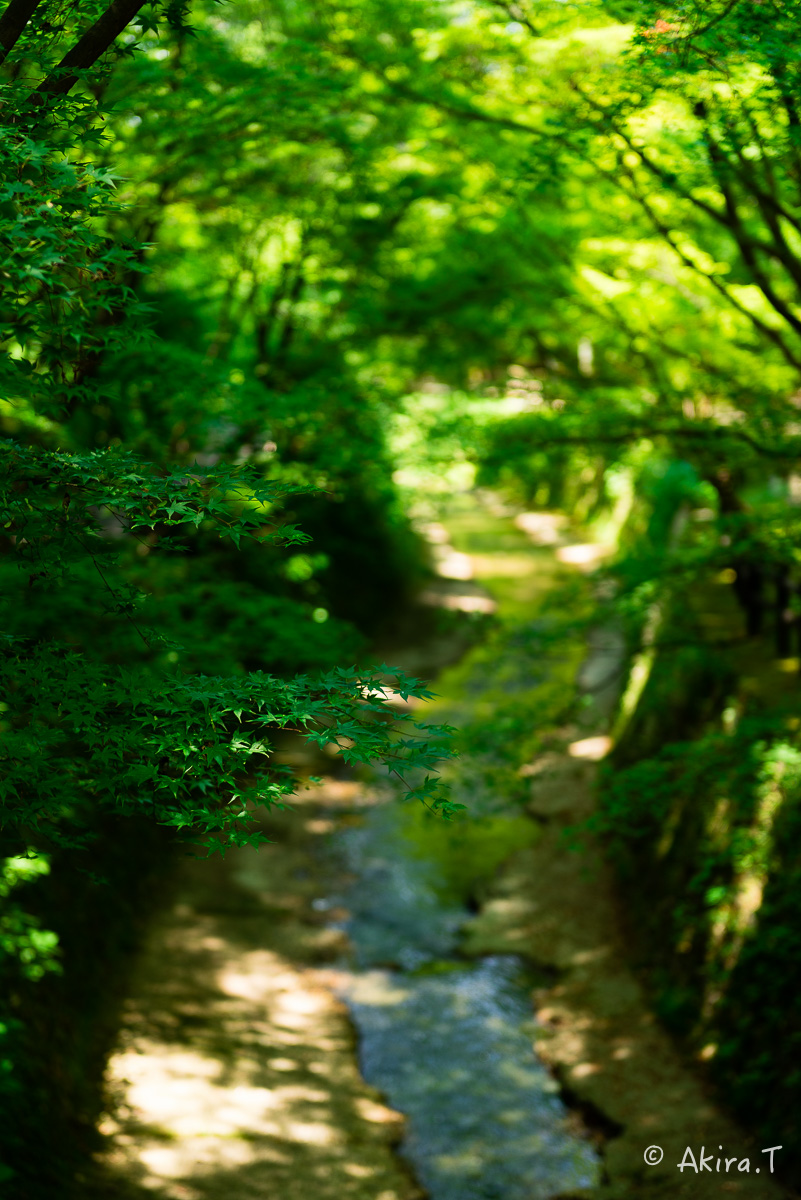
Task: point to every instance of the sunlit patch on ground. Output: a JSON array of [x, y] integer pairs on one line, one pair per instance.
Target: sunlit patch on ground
[[451, 564], [544, 529], [583, 555], [454, 568], [459, 599], [235, 1075], [592, 748]]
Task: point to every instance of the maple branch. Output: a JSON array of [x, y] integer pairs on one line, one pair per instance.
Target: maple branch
[[13, 22], [88, 49]]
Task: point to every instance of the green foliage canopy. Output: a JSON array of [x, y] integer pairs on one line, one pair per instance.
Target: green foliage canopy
[[80, 734]]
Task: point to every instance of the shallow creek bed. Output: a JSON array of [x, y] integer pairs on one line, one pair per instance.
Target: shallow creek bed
[[323, 1019], [236, 1070]]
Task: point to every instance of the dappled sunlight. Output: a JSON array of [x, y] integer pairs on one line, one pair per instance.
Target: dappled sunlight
[[169, 1162], [452, 565], [502, 565], [254, 1091], [181, 1096], [435, 533], [544, 528], [374, 988], [584, 555], [320, 825], [514, 566], [583, 1069], [255, 978], [459, 600], [591, 748]]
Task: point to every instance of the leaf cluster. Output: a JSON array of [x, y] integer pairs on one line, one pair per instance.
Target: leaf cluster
[[193, 753]]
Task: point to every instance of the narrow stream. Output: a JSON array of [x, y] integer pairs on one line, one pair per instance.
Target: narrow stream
[[234, 1072], [449, 1041]]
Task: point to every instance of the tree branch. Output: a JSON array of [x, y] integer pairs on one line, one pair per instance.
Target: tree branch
[[88, 49], [516, 13], [721, 16], [769, 204], [766, 330], [722, 170], [464, 112], [682, 432], [666, 178], [447, 106], [13, 22], [767, 198]]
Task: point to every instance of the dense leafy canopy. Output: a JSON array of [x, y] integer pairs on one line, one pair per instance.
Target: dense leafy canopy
[[81, 730]]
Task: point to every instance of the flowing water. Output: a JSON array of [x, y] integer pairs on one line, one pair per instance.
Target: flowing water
[[234, 1073], [449, 1041]]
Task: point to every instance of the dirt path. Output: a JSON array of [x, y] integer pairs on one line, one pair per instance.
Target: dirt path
[[236, 1075]]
